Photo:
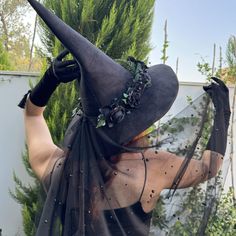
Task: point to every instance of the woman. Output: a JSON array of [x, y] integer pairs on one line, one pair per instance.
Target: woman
[[106, 182]]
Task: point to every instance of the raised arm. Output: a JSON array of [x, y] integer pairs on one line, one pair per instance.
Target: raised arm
[[38, 137], [211, 161], [197, 171]]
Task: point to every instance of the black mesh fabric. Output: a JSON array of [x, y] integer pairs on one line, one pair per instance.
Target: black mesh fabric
[[92, 194]]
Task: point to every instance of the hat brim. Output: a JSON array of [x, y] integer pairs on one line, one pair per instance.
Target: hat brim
[[155, 103]]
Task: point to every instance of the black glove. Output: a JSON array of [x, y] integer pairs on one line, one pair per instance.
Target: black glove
[[64, 71], [59, 72], [219, 95]]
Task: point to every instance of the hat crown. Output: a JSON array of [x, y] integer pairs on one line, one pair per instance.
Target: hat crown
[[103, 80], [99, 86]]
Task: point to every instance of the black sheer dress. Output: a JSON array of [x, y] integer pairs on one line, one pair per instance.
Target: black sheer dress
[[89, 193]]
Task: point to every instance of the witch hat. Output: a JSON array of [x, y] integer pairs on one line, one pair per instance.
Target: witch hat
[[103, 80]]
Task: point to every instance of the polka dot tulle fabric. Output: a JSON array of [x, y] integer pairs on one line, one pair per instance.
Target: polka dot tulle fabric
[[92, 194]]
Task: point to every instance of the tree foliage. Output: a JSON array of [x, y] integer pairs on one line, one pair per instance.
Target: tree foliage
[[223, 222], [15, 33], [164, 57], [30, 197], [11, 22], [231, 52], [118, 27], [4, 58], [231, 59]]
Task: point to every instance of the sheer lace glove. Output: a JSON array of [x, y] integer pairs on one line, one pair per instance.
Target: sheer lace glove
[[59, 72], [219, 95]]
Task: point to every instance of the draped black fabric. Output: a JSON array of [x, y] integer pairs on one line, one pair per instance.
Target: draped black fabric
[[90, 193], [80, 198]]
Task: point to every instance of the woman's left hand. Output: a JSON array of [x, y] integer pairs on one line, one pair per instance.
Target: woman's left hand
[[219, 94]]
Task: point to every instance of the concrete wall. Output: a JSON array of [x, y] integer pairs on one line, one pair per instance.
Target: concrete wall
[[12, 140], [12, 88]]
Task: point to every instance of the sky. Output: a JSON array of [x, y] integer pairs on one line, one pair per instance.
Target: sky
[[194, 26]]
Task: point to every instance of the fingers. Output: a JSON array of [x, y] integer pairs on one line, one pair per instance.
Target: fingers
[[76, 69], [71, 69], [62, 54], [206, 88], [75, 75], [217, 80], [220, 82], [210, 87], [68, 63]]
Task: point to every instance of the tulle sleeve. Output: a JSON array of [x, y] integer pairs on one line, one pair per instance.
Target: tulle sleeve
[[55, 164]]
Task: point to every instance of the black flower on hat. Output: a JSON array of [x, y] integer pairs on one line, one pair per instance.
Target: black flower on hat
[[130, 99]]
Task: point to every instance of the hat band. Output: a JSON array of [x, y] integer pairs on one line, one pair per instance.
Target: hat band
[[130, 99]]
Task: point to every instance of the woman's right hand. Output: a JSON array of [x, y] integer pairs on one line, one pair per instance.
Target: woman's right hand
[[64, 70]]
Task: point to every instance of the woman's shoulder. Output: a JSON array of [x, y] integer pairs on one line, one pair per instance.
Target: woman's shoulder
[[56, 159], [157, 155], [150, 154]]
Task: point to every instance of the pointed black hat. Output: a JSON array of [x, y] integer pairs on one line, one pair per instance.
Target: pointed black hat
[[103, 80]]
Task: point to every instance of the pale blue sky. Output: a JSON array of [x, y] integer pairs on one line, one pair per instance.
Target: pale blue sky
[[193, 28]]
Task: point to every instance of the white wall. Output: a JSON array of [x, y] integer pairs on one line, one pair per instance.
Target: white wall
[[12, 88]]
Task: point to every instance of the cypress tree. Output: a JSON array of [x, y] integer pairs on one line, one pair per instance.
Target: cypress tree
[[4, 59], [118, 27]]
